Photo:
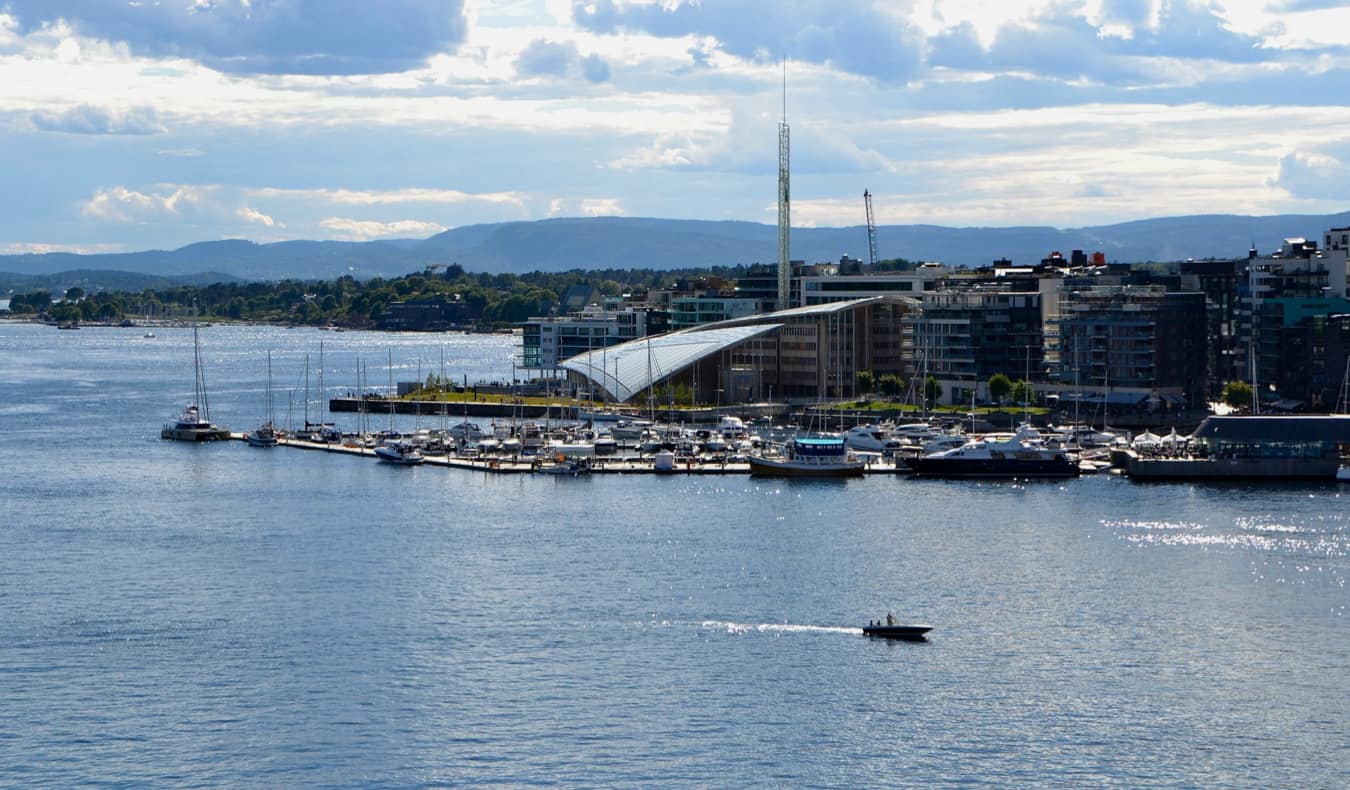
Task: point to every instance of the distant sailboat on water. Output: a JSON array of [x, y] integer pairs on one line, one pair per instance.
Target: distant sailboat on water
[[265, 435], [194, 424]]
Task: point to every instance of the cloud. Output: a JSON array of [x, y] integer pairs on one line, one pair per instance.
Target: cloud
[[595, 68], [853, 37], [88, 119], [1313, 175], [585, 207], [1295, 6], [356, 197], [1125, 43], [543, 58], [266, 36], [309, 210], [252, 215], [749, 145], [363, 230], [120, 204]]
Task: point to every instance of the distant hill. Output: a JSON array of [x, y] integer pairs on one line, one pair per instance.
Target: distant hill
[[622, 242], [103, 279]]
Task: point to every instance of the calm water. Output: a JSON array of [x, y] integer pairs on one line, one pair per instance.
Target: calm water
[[189, 616]]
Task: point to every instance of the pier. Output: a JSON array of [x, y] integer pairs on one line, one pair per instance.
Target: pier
[[617, 464]]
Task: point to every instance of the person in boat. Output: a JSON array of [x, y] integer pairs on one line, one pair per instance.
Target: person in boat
[[890, 619]]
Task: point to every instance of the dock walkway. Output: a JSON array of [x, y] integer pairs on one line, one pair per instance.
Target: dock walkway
[[618, 464]]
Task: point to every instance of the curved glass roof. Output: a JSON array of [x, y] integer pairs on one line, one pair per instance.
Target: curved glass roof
[[627, 369]]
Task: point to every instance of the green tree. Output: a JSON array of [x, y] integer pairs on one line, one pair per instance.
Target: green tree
[[1237, 394], [891, 385], [866, 381], [1022, 393], [39, 301], [999, 387], [65, 311], [932, 390], [74, 293]]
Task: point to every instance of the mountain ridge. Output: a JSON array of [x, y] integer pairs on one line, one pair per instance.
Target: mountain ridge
[[589, 243]]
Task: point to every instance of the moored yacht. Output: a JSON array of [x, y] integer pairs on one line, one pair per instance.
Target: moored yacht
[[402, 453], [809, 457], [872, 438], [1018, 456], [194, 423], [193, 426], [264, 435]]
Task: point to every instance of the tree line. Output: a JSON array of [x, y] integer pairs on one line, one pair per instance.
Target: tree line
[[487, 299]]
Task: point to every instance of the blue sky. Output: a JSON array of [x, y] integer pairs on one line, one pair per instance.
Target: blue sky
[[158, 123]]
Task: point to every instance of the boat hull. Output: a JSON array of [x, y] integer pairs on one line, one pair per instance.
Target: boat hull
[[772, 467], [399, 458], [990, 468], [909, 632], [208, 434], [1233, 469]]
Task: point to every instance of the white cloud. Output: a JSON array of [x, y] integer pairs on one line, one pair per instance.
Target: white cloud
[[544, 58], [88, 119], [254, 216], [364, 230], [585, 207], [331, 37], [1314, 176], [389, 197], [1026, 112], [42, 248], [120, 204]]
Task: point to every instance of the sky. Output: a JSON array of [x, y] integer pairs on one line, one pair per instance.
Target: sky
[[152, 124]]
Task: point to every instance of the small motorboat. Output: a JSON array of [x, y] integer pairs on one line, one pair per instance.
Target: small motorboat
[[912, 632], [399, 453]]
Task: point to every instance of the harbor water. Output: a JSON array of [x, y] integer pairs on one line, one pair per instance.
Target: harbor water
[[220, 615]]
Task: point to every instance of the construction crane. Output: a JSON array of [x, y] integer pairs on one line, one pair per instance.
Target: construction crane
[[871, 230]]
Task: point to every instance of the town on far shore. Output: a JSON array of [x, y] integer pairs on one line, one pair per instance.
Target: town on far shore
[[1266, 332]]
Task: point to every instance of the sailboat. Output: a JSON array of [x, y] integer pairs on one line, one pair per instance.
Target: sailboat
[[194, 424], [265, 435]]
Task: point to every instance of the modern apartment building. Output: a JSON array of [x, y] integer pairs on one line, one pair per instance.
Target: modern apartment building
[[1130, 343], [964, 337]]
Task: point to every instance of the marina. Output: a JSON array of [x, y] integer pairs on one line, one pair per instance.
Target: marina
[[219, 615]]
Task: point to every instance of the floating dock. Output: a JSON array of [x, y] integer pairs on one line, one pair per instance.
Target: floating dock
[[615, 464]]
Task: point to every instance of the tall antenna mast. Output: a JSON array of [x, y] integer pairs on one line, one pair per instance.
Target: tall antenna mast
[[871, 230], [784, 211]]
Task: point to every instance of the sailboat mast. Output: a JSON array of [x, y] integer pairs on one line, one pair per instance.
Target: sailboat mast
[[269, 416], [323, 397], [198, 373]]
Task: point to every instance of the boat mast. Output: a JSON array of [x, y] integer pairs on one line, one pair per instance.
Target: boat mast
[[268, 417], [323, 405], [198, 374]]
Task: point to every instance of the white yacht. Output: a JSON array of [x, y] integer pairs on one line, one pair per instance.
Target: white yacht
[[1019, 456], [401, 453], [872, 439]]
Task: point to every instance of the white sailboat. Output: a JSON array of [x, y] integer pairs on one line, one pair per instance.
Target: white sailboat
[[194, 424], [265, 435]]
